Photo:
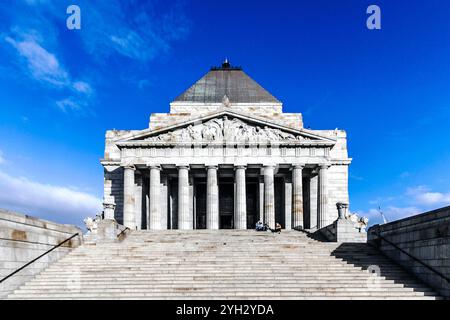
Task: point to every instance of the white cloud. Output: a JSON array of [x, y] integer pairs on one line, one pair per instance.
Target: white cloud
[[138, 31], [391, 213], [34, 2], [82, 87], [42, 65], [68, 104], [423, 195], [415, 200], [59, 203]]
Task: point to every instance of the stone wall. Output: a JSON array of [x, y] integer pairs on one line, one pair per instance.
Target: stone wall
[[113, 189], [337, 190], [426, 237], [182, 112], [24, 238]]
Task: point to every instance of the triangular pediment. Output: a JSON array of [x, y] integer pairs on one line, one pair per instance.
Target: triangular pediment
[[225, 126]]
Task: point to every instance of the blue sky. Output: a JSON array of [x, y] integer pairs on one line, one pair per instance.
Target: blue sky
[[61, 89]]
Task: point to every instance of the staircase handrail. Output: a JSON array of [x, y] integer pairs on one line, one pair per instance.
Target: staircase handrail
[[35, 259], [123, 231]]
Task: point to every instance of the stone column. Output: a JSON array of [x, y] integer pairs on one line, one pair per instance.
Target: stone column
[[164, 201], [108, 209], [212, 199], [240, 203], [313, 193], [297, 197], [269, 196], [287, 204], [322, 203], [129, 219], [261, 199], [155, 218], [184, 217], [138, 198]]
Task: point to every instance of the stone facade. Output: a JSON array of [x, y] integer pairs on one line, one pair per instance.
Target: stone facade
[[224, 157]]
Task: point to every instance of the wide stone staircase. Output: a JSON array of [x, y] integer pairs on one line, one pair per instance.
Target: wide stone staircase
[[223, 264]]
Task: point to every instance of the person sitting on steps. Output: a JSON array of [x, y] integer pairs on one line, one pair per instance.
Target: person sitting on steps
[[277, 228], [260, 226]]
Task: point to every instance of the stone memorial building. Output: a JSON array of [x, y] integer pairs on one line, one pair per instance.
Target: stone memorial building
[[224, 157]]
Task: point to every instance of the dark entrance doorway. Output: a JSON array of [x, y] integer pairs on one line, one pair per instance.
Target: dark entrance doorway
[[279, 202], [226, 205], [200, 206], [252, 191]]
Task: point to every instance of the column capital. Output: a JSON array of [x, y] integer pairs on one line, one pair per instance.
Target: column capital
[[298, 166], [157, 167], [269, 166], [240, 167], [109, 205], [215, 167], [183, 166], [129, 166]]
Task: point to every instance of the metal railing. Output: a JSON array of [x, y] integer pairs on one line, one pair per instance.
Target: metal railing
[[45, 253], [122, 232], [440, 274]]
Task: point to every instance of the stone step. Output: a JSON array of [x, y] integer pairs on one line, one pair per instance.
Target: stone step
[[224, 264], [218, 284], [346, 298], [237, 294], [229, 290], [195, 278]]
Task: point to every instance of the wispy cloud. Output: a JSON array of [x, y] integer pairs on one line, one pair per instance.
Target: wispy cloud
[[131, 29], [61, 203], [412, 201], [82, 87], [423, 195], [391, 213], [43, 66], [138, 31], [68, 104]]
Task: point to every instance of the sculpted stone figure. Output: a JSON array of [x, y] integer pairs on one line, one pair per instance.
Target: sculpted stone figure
[[195, 132], [91, 224], [233, 130]]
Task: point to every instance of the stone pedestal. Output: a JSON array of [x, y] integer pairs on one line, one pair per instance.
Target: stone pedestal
[[346, 231], [108, 209], [108, 231], [342, 210]]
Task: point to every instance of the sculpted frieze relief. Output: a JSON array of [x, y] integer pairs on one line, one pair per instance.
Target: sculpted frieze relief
[[229, 130]]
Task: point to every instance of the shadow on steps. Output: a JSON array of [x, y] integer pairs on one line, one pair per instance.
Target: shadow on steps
[[369, 258]]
